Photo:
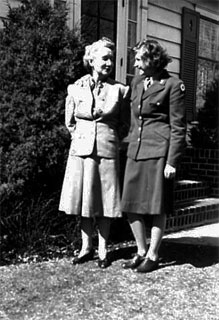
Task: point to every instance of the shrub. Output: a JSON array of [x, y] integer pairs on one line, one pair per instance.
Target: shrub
[[39, 57], [205, 131], [31, 228]]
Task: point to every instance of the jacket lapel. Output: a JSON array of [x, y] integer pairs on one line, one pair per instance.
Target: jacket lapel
[[155, 87], [140, 89]]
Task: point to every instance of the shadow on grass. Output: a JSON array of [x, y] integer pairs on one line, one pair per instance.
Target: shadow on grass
[[173, 253]]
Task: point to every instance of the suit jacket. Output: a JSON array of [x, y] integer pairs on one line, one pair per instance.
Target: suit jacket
[[97, 122], [158, 124]]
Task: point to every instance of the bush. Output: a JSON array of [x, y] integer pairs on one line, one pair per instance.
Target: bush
[[31, 228], [205, 131], [39, 57]]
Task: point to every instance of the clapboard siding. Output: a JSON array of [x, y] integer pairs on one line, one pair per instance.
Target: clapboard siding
[[174, 6], [155, 29], [3, 11], [164, 16], [4, 7], [164, 25]]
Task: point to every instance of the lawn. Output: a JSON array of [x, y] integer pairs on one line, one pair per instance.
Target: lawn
[[185, 287]]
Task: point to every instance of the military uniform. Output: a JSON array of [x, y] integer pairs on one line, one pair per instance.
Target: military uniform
[[157, 137]]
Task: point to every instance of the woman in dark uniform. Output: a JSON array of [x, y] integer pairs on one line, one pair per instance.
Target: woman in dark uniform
[[156, 143]]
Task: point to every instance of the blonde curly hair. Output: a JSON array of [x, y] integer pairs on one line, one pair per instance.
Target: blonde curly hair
[[91, 50]]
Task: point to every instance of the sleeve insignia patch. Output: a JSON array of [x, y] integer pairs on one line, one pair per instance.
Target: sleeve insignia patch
[[182, 87]]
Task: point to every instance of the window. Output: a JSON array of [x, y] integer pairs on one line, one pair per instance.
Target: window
[[132, 37], [98, 19], [208, 59]]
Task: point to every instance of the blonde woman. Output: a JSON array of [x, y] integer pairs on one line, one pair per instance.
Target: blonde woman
[[97, 117]]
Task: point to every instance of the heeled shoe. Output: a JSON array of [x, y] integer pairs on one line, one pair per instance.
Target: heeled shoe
[[103, 263], [134, 262], [86, 257], [147, 265]]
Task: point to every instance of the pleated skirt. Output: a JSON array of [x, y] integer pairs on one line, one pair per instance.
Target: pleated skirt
[[91, 187], [145, 189]]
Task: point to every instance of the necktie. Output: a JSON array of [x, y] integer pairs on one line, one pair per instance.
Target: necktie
[[147, 83]]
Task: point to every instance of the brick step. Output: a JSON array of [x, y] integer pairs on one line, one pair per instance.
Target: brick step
[[193, 213], [189, 190]]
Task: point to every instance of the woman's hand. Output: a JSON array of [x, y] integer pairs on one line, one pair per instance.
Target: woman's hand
[[169, 171]]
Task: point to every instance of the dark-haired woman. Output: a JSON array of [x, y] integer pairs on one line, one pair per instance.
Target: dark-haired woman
[[156, 143]]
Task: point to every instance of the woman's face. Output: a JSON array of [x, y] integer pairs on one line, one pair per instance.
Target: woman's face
[[102, 62], [142, 64]]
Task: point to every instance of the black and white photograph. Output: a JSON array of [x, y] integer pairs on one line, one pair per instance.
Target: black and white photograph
[[109, 159]]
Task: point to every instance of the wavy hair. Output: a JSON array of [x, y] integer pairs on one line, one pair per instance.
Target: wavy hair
[[91, 50], [154, 52]]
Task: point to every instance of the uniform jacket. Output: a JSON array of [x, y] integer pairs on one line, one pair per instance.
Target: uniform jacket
[[158, 124], [99, 122]]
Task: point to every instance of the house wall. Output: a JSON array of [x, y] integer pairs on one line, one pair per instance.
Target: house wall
[[202, 164], [164, 24], [4, 8]]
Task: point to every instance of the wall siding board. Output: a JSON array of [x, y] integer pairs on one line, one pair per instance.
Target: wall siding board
[[3, 8], [174, 66], [163, 32], [172, 5], [164, 16]]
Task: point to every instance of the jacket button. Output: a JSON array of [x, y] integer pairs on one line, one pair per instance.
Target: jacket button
[[139, 139], [158, 103], [140, 117], [139, 128], [139, 106]]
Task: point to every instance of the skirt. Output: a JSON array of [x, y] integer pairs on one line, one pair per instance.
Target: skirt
[[91, 187], [145, 189]]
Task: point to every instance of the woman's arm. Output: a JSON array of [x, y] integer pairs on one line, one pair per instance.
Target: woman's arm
[[69, 110]]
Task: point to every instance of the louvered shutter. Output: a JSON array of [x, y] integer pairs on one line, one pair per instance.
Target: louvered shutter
[[189, 54]]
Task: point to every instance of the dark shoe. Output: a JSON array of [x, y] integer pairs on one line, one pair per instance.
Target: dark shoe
[[103, 264], [133, 263], [86, 257], [147, 265]]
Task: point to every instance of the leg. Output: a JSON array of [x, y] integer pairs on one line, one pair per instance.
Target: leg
[[86, 235], [157, 231], [137, 225], [103, 235]]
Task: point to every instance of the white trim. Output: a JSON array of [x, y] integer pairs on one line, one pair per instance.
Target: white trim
[[121, 40], [207, 14], [143, 12], [74, 14]]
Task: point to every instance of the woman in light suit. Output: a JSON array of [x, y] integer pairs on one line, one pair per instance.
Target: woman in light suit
[[156, 143], [97, 117]]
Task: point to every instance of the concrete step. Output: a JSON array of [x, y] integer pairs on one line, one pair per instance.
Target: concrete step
[[193, 213], [189, 190], [205, 235]]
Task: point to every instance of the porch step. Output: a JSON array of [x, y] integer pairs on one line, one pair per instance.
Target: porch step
[[189, 190], [193, 213]]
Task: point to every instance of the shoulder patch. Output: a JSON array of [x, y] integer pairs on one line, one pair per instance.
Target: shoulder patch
[[182, 87]]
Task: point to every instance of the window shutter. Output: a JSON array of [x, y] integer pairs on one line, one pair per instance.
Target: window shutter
[[189, 54]]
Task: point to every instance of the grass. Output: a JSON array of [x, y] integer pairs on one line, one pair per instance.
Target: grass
[[183, 288]]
